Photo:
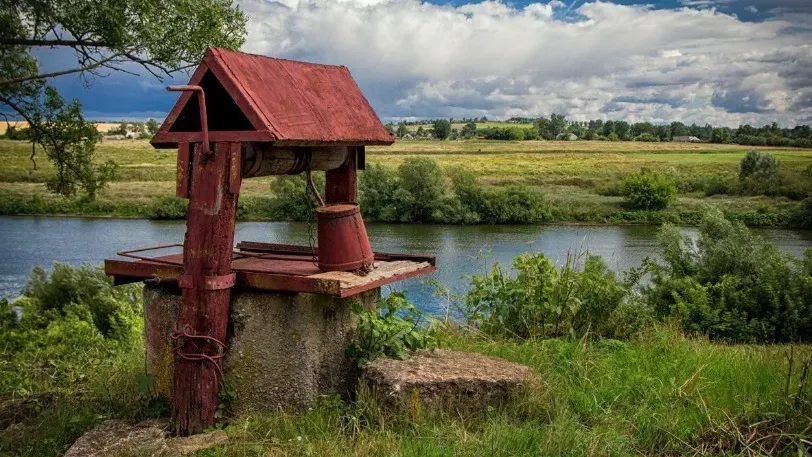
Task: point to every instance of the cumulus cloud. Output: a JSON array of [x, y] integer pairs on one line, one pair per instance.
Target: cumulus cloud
[[597, 60]]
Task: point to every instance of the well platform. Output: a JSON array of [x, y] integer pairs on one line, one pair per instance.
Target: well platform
[[273, 267]]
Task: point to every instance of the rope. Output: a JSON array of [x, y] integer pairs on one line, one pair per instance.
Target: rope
[[186, 333]]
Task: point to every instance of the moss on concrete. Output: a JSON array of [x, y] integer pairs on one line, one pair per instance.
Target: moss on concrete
[[284, 350]]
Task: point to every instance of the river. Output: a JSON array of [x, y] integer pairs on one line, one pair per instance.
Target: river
[[29, 241]]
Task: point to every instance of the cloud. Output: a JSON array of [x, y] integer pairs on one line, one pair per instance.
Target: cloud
[[416, 59]]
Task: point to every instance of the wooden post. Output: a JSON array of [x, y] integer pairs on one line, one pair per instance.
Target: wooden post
[[206, 288], [342, 183]]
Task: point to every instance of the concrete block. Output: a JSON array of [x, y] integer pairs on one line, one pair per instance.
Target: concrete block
[[283, 350]]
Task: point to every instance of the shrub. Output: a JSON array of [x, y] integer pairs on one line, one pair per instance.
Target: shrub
[[291, 198], [508, 205], [647, 137], [421, 188], [758, 165], [648, 190], [392, 329], [167, 208], [376, 188], [731, 285], [513, 205], [803, 215], [719, 185], [85, 292], [536, 300]]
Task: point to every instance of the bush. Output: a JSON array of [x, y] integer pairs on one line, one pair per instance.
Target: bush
[[648, 190], [719, 185], [167, 208], [536, 300], [420, 190], [758, 166], [392, 329], [85, 292], [803, 215], [647, 137], [376, 188], [291, 198], [731, 285], [509, 205], [69, 322]]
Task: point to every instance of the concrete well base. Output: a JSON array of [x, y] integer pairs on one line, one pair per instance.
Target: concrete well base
[[283, 350]]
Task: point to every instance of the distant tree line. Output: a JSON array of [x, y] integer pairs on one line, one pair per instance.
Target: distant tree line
[[558, 127], [139, 130]]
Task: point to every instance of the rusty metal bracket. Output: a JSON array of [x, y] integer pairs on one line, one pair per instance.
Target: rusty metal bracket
[[131, 254], [209, 282], [204, 121]]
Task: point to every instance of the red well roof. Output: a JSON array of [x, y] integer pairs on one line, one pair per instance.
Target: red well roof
[[285, 101]]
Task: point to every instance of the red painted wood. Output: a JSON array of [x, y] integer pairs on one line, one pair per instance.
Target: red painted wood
[[235, 168], [207, 252], [169, 140], [170, 119], [297, 103], [342, 183], [183, 176]]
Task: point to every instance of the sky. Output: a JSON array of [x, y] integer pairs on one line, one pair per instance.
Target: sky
[[724, 62]]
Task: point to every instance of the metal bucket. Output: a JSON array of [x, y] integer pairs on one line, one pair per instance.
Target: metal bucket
[[343, 241]]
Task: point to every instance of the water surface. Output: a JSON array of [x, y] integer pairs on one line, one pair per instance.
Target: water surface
[[29, 241]]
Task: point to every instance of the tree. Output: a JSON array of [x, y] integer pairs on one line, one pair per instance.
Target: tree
[[402, 130], [152, 126], [721, 135], [122, 129], [679, 129], [441, 128], [160, 38], [622, 128], [469, 130], [421, 188], [557, 124]]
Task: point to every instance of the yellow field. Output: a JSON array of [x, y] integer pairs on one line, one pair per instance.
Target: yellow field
[[100, 126]]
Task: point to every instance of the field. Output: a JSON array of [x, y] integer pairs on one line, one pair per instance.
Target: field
[[460, 125], [576, 176], [100, 126]]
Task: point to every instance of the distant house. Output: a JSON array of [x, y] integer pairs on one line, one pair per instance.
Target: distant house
[[686, 139], [567, 137]]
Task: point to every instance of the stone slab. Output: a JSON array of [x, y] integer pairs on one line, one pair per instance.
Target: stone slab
[[464, 381], [147, 438]]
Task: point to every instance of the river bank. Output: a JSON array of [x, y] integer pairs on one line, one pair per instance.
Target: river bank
[[577, 181]]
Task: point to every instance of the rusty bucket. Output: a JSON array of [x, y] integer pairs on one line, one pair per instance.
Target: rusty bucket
[[343, 241]]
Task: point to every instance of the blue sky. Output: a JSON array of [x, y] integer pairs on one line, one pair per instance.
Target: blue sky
[[720, 61]]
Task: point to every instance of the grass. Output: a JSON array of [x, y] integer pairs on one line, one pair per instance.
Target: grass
[[664, 394], [571, 173]]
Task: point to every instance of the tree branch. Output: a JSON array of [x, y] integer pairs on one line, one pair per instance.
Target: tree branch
[[96, 64], [51, 43]]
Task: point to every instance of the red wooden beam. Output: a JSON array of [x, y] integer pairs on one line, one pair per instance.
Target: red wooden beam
[[183, 179], [342, 183], [203, 317]]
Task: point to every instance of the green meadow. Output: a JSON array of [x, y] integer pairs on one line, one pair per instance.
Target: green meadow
[[579, 178]]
